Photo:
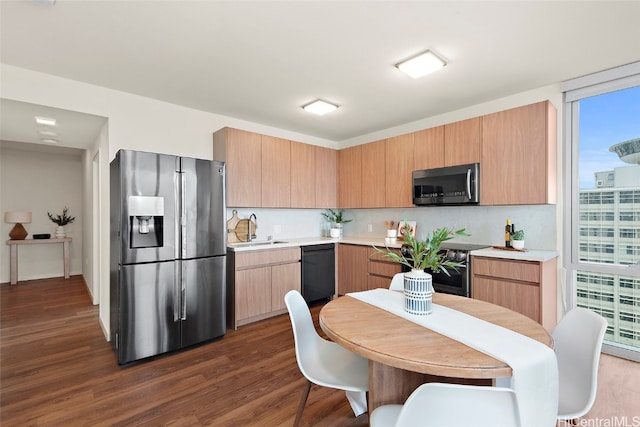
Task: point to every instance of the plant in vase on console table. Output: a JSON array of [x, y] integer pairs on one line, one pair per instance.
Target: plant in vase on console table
[[421, 255], [61, 221]]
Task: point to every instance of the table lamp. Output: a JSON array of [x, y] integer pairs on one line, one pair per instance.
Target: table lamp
[[18, 218]]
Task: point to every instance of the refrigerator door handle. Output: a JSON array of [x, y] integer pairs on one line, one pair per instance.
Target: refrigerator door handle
[[177, 297], [183, 216], [178, 206], [183, 292]]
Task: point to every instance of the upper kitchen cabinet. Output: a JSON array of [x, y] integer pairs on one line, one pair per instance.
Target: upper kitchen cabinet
[[350, 177], [373, 175], [428, 148], [399, 164], [326, 185], [303, 175], [242, 151], [518, 162], [462, 142], [276, 172]]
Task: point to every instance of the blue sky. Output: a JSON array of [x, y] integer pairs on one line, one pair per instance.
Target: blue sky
[[606, 120]]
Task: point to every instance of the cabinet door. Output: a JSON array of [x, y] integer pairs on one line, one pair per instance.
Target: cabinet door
[[462, 142], [352, 268], [519, 156], [242, 151], [428, 148], [350, 177], [373, 175], [303, 175], [523, 298], [276, 172], [326, 177], [399, 166], [284, 278], [253, 292]]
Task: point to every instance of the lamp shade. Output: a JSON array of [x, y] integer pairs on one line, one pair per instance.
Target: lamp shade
[[17, 217]]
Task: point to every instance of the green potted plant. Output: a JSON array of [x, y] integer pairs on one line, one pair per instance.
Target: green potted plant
[[422, 254], [517, 239], [61, 221], [336, 218]]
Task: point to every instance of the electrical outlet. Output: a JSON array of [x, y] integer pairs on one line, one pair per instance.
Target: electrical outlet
[[369, 228], [277, 229]]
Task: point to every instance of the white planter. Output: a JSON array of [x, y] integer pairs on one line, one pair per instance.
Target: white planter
[[336, 230], [392, 234], [61, 233], [517, 244], [418, 292]]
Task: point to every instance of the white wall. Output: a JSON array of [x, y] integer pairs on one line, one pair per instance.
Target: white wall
[[41, 182]]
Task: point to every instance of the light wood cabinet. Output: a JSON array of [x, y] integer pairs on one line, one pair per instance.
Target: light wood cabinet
[[326, 185], [462, 142], [257, 282], [242, 151], [428, 148], [303, 175], [350, 177], [381, 269], [399, 168], [527, 287], [518, 161], [352, 268], [373, 175], [276, 172]]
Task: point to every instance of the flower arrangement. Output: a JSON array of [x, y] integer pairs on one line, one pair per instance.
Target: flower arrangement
[[336, 216], [426, 254], [63, 219]]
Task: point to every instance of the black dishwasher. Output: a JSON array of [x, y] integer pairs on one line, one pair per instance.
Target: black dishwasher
[[318, 272]]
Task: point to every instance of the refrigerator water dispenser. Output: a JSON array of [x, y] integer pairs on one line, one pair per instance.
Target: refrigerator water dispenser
[[146, 217]]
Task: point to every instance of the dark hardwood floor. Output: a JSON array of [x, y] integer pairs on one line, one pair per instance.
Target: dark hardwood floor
[[56, 369]]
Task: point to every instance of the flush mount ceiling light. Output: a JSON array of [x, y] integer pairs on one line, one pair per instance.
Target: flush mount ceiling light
[[422, 64], [46, 121], [319, 107]]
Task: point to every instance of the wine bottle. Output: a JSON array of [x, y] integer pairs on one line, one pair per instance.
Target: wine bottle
[[507, 234]]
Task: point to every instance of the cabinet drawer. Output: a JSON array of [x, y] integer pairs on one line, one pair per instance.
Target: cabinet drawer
[[384, 268], [272, 256], [520, 297], [525, 271]]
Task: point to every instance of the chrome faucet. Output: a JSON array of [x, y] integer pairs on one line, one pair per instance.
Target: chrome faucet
[[250, 235]]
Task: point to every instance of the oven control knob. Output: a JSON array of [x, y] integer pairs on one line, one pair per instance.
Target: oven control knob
[[451, 255], [461, 256]]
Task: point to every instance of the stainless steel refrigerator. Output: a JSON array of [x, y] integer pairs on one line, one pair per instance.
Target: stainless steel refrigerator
[[168, 253]]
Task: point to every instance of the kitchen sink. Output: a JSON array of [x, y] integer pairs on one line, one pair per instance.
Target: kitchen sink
[[255, 243]]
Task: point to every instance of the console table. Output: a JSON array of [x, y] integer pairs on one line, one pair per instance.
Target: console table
[[13, 258]]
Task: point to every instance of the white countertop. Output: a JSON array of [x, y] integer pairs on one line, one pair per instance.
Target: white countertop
[[380, 242], [529, 255], [288, 243]]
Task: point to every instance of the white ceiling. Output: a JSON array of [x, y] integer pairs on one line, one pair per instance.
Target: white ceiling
[[261, 60]]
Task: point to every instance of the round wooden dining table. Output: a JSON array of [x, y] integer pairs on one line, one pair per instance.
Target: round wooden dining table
[[402, 354]]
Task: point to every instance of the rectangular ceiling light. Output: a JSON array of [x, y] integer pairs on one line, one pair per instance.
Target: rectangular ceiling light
[[319, 107], [421, 65], [45, 121]]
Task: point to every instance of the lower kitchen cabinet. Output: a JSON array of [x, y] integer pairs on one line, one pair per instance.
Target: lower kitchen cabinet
[[361, 267], [257, 282], [527, 287]]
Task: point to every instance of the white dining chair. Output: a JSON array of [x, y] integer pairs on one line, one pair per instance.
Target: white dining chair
[[397, 282], [323, 362], [438, 405], [577, 344]]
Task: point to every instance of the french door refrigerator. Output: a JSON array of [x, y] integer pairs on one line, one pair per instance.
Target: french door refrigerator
[[168, 253]]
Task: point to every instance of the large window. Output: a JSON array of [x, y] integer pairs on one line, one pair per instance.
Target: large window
[[602, 118]]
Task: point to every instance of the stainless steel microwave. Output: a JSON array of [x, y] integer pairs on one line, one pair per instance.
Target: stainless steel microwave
[[452, 185]]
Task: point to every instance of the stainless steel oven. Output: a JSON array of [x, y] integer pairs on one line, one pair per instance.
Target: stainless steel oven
[[458, 282]]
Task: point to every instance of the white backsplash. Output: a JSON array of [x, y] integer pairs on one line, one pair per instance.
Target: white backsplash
[[485, 224]]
